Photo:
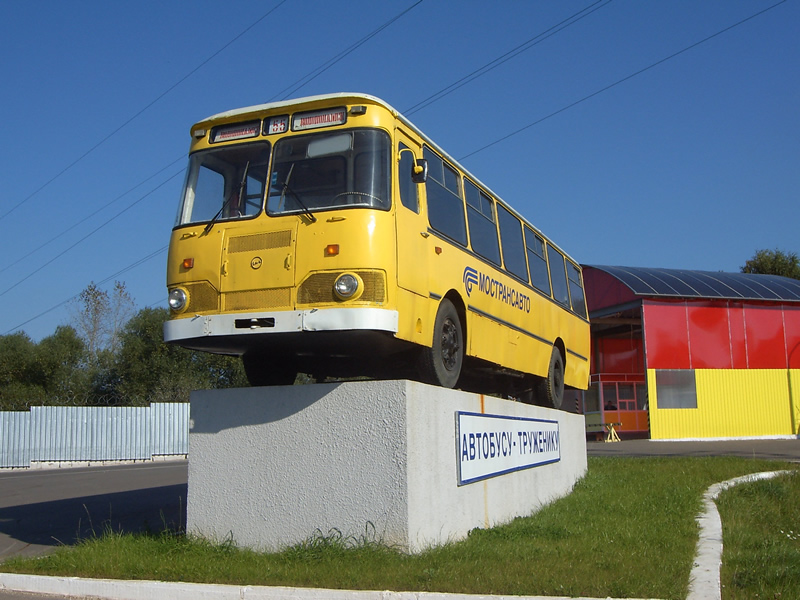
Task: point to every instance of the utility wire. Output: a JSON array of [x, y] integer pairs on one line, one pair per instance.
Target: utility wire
[[91, 233], [527, 45], [87, 217], [104, 281], [620, 81], [159, 97], [294, 87], [308, 78]]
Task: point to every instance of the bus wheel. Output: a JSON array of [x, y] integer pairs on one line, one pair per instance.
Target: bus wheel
[[441, 363], [551, 388], [264, 370]]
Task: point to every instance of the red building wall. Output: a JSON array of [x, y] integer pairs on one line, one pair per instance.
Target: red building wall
[[721, 335]]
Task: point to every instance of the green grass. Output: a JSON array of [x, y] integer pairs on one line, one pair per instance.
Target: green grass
[[627, 530], [761, 539]]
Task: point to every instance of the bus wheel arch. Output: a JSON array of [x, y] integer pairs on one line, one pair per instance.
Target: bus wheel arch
[[442, 362]]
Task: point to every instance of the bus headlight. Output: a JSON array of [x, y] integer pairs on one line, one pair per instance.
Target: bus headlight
[[177, 299], [348, 286]]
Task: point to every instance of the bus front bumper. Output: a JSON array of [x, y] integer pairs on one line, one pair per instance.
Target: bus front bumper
[[245, 324]]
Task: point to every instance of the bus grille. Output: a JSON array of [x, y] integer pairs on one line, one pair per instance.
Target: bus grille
[[318, 288], [259, 299], [260, 241], [202, 298]]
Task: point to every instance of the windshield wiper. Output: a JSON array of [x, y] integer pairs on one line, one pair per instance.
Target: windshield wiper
[[228, 201], [286, 188]]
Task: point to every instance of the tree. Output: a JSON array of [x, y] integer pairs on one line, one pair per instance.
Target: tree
[[61, 367], [18, 388], [148, 370], [99, 318], [773, 262]]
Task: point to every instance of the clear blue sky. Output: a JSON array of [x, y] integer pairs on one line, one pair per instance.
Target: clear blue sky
[[692, 163]]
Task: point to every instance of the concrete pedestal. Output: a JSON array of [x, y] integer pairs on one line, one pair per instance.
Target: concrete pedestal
[[415, 464]]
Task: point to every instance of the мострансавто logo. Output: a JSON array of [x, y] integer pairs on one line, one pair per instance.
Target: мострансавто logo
[[495, 289]]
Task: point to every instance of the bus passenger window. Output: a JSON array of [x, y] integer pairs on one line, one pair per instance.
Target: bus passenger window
[[576, 290], [408, 189], [513, 246], [558, 275], [540, 278], [445, 207], [482, 229]]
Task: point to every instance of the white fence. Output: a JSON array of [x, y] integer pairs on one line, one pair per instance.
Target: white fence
[[47, 434]]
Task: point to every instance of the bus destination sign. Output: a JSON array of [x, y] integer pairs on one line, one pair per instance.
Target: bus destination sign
[[240, 131], [319, 118], [492, 445]]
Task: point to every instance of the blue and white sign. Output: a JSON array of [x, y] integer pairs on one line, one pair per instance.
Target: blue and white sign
[[492, 445]]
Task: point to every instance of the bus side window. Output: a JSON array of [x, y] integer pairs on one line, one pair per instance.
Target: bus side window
[[445, 207], [558, 275], [513, 245], [480, 218], [536, 260], [576, 290], [408, 189]]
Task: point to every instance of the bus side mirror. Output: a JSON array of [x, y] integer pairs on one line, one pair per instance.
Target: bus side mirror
[[419, 172]]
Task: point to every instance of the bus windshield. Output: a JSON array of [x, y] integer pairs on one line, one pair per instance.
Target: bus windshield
[[330, 170], [225, 183]]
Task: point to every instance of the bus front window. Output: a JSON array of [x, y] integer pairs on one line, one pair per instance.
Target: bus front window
[[224, 183], [330, 170]]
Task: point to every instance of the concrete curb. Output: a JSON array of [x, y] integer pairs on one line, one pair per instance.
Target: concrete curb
[[704, 580], [146, 590]]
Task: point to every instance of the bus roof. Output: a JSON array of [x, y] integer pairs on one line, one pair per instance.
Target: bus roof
[[358, 96]]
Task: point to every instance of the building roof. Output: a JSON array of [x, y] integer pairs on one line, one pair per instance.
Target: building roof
[[681, 283]]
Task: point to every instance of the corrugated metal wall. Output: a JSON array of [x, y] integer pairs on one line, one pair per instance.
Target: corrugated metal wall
[[83, 433], [730, 403]]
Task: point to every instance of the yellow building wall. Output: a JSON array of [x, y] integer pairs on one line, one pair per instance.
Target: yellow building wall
[[731, 403]]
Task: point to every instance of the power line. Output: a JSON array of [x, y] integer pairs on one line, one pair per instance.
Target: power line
[[308, 78], [139, 113], [527, 45], [314, 73], [293, 88], [86, 218], [91, 233], [106, 280], [620, 81]]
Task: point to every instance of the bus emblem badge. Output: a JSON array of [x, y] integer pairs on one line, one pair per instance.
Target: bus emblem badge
[[256, 262], [470, 278]]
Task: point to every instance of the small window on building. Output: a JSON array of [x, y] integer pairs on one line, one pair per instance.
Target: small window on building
[[676, 388], [591, 399]]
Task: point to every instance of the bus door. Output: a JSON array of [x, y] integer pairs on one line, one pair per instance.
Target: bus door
[[411, 223]]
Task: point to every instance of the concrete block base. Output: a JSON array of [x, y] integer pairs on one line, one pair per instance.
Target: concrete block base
[[273, 466]]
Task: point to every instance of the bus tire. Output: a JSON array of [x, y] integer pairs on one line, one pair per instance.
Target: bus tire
[[265, 370], [551, 388], [441, 363]]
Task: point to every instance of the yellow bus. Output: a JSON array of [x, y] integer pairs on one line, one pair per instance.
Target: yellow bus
[[329, 236]]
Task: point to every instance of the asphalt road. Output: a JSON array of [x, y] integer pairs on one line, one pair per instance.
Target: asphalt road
[[41, 509]]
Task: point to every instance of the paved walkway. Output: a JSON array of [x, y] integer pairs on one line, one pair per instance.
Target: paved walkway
[[785, 449]]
